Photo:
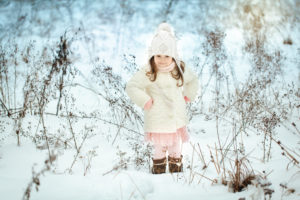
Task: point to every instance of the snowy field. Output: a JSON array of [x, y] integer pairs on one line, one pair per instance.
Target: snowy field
[[69, 131]]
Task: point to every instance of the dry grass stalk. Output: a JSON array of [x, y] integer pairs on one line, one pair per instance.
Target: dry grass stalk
[[212, 180], [202, 157], [36, 177], [240, 177], [191, 167], [216, 164]]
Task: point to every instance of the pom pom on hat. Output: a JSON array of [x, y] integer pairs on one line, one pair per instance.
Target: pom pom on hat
[[165, 27]]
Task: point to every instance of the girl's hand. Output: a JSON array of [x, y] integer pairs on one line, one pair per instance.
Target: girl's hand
[[148, 105], [186, 99]]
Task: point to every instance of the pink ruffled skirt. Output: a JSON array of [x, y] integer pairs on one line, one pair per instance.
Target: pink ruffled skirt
[[168, 139]]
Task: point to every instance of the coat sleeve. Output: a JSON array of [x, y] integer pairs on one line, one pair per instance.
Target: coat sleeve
[[191, 84], [135, 88]]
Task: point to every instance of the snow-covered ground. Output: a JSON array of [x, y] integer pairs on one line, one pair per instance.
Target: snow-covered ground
[[113, 162], [102, 182]]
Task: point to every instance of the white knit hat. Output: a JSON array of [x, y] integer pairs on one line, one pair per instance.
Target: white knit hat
[[164, 43]]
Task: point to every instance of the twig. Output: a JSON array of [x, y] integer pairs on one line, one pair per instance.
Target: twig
[[293, 124], [118, 130], [213, 160], [213, 181], [8, 113], [85, 136], [106, 121], [136, 186], [114, 169], [72, 132], [218, 165], [45, 134], [202, 155], [191, 169]]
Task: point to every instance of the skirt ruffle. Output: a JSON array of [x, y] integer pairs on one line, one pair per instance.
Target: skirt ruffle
[[168, 139]]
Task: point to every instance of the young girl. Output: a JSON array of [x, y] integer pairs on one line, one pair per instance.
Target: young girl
[[162, 88]]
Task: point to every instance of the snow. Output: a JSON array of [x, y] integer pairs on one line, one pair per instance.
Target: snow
[[16, 168], [102, 183], [108, 31]]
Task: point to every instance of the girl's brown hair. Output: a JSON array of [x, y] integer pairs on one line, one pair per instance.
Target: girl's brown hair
[[152, 74]]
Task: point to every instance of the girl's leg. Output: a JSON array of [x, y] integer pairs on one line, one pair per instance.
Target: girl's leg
[[159, 151], [175, 150]]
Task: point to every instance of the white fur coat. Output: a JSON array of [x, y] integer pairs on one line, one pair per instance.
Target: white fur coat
[[168, 112]]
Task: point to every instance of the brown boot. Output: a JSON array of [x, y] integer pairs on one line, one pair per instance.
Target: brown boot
[[175, 164], [159, 166]]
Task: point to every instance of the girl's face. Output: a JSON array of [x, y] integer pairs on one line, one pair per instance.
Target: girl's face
[[162, 60]]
